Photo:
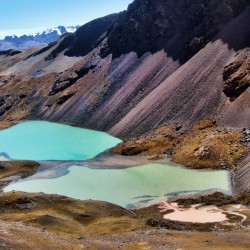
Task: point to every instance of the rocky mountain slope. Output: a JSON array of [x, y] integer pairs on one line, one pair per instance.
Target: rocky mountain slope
[[138, 74], [152, 65], [149, 25], [35, 40]]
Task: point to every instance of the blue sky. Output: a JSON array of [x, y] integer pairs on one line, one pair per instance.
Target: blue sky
[[26, 16]]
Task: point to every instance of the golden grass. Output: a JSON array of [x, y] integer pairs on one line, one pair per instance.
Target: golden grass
[[205, 146], [9, 168]]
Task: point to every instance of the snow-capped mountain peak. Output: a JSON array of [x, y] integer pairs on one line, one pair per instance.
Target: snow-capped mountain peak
[[35, 40], [60, 30]]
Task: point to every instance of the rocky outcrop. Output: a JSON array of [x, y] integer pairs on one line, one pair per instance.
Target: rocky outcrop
[[6, 103], [17, 170], [9, 52], [148, 25], [64, 83], [65, 42], [205, 146], [86, 37], [236, 77]]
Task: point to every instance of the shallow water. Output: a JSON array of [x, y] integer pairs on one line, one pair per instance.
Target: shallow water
[[130, 187], [39, 140]]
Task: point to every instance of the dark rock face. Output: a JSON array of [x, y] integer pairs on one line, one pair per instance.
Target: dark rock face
[[246, 136], [64, 98], [66, 41], [44, 49], [82, 41], [85, 38], [64, 83], [9, 52], [148, 25], [6, 103], [236, 78]]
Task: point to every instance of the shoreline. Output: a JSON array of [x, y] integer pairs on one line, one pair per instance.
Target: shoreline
[[54, 174], [107, 160], [145, 158]]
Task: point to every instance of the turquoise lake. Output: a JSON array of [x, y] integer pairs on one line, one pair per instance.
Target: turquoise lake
[[39, 140], [129, 187]]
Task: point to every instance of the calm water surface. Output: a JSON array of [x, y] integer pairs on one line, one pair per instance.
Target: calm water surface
[[39, 140], [131, 187]]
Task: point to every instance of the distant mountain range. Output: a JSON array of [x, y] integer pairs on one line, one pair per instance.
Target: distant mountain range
[[35, 40]]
